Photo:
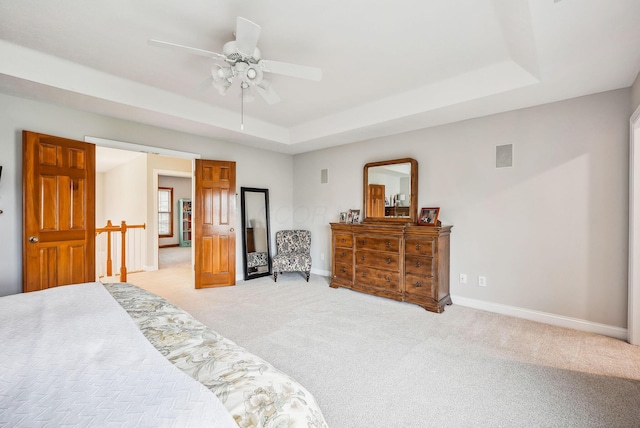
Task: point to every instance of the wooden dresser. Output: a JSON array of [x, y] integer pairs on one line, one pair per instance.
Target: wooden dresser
[[403, 262]]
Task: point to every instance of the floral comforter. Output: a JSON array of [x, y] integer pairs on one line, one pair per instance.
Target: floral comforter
[[255, 393]]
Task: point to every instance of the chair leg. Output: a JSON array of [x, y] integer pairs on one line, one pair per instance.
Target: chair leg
[[308, 273], [275, 276]]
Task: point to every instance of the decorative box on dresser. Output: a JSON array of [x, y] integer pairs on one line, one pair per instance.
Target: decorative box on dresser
[[399, 261]]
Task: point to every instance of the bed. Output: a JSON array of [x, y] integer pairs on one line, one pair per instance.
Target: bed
[[116, 355]]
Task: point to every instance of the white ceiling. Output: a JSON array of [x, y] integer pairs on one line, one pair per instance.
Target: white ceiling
[[388, 67], [108, 158]]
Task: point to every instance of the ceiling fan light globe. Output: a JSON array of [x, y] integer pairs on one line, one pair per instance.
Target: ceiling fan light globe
[[254, 74], [221, 74]]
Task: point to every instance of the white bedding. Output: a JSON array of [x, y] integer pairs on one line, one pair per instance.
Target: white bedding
[[71, 356]]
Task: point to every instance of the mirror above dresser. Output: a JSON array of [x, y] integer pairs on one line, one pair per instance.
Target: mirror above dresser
[[390, 191]]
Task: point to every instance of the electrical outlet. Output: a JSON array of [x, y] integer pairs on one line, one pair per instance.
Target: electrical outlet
[[482, 281], [463, 278]]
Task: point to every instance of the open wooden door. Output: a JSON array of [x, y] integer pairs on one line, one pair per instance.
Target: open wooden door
[[58, 179], [214, 220]]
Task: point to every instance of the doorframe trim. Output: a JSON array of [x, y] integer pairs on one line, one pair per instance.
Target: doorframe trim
[[132, 147], [633, 297]]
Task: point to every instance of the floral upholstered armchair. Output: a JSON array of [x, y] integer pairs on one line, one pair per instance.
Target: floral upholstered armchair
[[293, 249]]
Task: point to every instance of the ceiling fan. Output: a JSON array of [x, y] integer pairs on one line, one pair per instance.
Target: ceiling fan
[[242, 61]]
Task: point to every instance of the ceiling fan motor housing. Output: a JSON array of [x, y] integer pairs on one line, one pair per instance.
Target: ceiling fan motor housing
[[230, 50]]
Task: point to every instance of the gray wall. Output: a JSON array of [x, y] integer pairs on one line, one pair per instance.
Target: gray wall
[[550, 233], [255, 168]]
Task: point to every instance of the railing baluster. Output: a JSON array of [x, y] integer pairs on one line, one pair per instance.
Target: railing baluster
[[109, 229]]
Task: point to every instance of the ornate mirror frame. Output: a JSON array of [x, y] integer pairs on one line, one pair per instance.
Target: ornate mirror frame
[[369, 204], [256, 235]]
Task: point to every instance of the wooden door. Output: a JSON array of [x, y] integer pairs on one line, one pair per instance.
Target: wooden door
[[214, 219], [58, 179], [376, 200]]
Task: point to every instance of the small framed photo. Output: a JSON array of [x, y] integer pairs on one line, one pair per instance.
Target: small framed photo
[[343, 217], [355, 216], [428, 216]]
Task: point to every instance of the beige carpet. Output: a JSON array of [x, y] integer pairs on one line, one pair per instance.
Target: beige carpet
[[170, 257], [375, 362]]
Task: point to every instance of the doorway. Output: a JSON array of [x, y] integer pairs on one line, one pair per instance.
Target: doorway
[[174, 193], [140, 170]]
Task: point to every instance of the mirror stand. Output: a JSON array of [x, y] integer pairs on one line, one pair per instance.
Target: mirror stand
[[256, 237]]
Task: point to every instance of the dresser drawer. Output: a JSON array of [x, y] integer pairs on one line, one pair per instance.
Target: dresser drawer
[[344, 240], [343, 255], [377, 278], [343, 272], [380, 260], [419, 285], [371, 243], [418, 265], [420, 247]]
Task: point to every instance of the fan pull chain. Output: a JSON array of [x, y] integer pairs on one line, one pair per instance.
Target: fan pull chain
[[242, 108]]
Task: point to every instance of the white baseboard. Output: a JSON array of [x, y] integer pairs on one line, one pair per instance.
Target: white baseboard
[[321, 272], [543, 317], [149, 268]]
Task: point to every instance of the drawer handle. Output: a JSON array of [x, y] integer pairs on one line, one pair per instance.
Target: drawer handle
[[388, 244], [418, 284], [362, 258], [418, 246], [389, 261], [343, 270], [343, 254], [363, 242], [388, 278], [418, 264], [364, 274]]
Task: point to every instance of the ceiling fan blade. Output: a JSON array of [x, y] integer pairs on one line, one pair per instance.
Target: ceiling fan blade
[[221, 87], [267, 93], [206, 84], [247, 35], [188, 49], [293, 70]]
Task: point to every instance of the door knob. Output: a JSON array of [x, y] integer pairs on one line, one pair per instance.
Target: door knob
[[33, 239], [232, 230]]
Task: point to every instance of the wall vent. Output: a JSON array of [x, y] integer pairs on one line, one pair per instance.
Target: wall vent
[[504, 156], [324, 176]]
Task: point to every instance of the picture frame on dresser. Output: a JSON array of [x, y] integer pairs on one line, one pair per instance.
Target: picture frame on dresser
[[428, 216], [343, 217], [355, 216]]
